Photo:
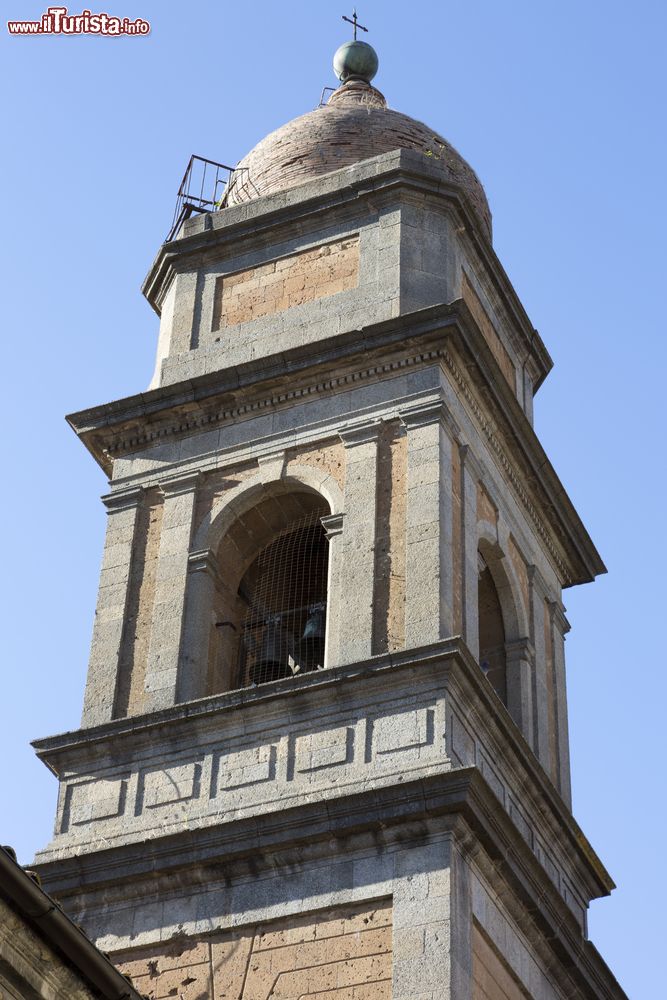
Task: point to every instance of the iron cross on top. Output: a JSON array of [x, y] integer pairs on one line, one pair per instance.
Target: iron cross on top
[[355, 23]]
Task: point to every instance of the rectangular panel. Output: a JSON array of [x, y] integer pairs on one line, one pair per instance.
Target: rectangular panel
[[96, 800], [244, 767], [170, 784], [282, 284], [324, 749], [403, 731]]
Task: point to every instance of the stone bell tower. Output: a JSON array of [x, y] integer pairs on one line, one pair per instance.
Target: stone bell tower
[[324, 746]]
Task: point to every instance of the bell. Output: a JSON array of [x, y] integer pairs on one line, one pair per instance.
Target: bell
[[315, 625], [272, 660], [311, 647]]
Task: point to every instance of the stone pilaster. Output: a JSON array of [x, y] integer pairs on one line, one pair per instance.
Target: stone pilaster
[[429, 563], [122, 508], [470, 474], [432, 924], [559, 628], [520, 656], [540, 685], [184, 314], [193, 670], [357, 543], [333, 526], [169, 605]]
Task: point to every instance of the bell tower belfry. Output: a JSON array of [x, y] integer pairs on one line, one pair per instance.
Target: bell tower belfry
[[324, 745]]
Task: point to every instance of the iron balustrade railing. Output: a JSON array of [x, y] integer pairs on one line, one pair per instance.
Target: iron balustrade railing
[[205, 187]]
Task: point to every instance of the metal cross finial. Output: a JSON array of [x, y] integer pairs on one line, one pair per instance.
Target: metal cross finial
[[355, 23]]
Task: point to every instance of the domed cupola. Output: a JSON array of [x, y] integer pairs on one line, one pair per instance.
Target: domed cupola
[[355, 124]]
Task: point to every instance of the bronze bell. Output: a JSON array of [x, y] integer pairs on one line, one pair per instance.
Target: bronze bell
[[315, 625], [272, 660], [311, 647]]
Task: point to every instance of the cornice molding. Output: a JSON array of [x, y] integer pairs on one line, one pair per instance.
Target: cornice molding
[[205, 561], [200, 421], [489, 431], [178, 485], [123, 499], [143, 421], [409, 417], [339, 194], [559, 618], [366, 433], [458, 805]]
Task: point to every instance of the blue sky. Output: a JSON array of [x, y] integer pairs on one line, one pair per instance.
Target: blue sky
[[560, 109]]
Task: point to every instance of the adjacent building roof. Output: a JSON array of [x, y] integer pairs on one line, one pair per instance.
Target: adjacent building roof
[[42, 915]]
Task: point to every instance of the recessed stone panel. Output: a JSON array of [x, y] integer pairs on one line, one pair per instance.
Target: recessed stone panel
[[403, 731], [329, 748], [92, 801], [241, 768], [166, 785], [287, 282]]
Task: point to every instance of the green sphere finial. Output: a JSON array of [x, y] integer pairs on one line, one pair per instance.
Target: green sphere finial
[[355, 61]]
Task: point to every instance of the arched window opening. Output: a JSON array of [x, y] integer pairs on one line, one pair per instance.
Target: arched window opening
[[492, 655], [285, 594], [267, 598]]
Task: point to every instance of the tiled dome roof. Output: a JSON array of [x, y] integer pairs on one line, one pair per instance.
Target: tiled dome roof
[[354, 125]]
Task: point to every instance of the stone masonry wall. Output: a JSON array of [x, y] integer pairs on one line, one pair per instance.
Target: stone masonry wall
[[281, 284], [342, 954]]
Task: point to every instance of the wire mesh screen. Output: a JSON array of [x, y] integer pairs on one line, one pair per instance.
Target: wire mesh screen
[[285, 588]]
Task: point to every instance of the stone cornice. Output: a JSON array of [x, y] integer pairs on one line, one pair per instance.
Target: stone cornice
[[178, 485], [124, 499], [408, 341], [337, 194], [362, 434], [458, 804], [458, 673]]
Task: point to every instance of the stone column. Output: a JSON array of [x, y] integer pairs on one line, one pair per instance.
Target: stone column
[[519, 658], [333, 526], [122, 509], [559, 629], [429, 565], [470, 475], [170, 587], [357, 544]]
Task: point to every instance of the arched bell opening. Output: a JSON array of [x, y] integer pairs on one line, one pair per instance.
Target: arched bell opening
[[270, 601], [285, 593], [492, 634]]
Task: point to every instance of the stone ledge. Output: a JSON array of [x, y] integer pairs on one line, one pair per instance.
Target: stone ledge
[[459, 805], [318, 739]]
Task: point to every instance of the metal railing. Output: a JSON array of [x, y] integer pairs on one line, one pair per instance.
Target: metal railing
[[206, 186]]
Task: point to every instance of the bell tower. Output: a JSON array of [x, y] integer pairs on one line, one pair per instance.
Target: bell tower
[[324, 745]]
